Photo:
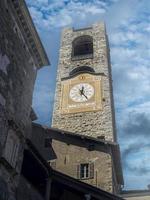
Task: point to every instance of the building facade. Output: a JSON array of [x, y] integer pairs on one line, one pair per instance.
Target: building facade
[[21, 55], [84, 106], [90, 160], [60, 186]]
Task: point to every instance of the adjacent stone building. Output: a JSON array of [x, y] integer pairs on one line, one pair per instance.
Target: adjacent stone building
[[84, 106], [62, 186], [100, 158], [21, 55]]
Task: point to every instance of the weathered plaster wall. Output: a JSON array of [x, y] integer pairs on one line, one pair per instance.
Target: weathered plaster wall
[[70, 156]]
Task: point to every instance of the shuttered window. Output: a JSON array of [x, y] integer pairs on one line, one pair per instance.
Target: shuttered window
[[85, 171], [12, 148]]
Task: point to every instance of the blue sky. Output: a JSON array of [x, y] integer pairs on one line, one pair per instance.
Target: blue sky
[[128, 28]]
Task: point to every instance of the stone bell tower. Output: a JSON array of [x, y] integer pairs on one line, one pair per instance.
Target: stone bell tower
[[85, 139], [83, 99]]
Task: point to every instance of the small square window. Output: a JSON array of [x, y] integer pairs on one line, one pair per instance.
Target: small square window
[[85, 171]]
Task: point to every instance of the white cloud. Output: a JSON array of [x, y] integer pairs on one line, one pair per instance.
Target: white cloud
[[130, 58], [62, 13]]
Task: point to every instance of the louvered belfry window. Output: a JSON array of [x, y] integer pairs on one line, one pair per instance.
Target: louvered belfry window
[[85, 171], [82, 45]]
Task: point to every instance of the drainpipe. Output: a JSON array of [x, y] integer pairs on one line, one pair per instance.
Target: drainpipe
[[48, 189]]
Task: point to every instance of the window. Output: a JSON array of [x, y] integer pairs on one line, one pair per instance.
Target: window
[[85, 171], [12, 148], [82, 47]]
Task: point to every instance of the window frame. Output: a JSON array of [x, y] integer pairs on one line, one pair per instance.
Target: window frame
[[84, 171], [87, 174]]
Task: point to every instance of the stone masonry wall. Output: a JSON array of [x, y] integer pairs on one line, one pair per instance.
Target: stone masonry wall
[[70, 156], [17, 77], [88, 123]]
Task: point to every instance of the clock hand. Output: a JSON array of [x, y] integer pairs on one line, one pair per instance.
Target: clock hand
[[82, 92], [82, 89], [85, 96]]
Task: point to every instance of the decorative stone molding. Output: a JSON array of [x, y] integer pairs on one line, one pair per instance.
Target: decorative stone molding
[[22, 16]]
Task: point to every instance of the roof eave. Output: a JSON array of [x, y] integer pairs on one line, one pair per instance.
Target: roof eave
[[30, 34]]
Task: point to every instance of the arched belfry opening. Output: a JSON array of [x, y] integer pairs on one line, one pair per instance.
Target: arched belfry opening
[[82, 69], [82, 45]]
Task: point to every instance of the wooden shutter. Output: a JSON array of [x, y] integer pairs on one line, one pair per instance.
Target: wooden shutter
[[12, 148], [15, 154], [91, 166], [8, 147], [78, 171]]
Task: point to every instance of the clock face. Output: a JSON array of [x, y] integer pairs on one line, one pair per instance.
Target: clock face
[[81, 92]]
